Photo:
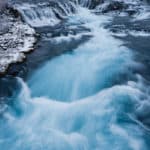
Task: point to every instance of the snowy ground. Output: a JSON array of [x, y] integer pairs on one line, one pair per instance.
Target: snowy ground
[[16, 38]]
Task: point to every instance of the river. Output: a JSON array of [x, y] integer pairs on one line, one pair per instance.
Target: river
[[86, 89]]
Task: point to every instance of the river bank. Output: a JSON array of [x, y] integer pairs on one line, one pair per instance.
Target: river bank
[[16, 38]]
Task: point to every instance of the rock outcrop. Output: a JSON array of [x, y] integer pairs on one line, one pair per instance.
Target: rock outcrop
[[16, 37]]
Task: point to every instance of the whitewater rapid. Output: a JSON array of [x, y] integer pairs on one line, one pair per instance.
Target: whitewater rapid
[[87, 69], [80, 100]]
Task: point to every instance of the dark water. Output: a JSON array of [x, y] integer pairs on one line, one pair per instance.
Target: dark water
[[86, 86]]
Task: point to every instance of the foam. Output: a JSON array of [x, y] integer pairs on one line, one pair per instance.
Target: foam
[[88, 69], [90, 123], [83, 113]]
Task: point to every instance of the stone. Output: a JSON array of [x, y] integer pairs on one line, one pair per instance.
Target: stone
[[16, 37]]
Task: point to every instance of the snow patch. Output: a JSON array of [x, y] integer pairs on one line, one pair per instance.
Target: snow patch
[[17, 39]]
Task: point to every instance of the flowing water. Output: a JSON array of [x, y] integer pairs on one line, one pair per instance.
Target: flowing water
[[88, 98]]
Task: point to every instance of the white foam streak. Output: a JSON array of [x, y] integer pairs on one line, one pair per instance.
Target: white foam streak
[[44, 14]]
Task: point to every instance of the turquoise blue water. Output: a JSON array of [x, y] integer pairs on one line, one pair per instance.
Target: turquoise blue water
[[72, 101]]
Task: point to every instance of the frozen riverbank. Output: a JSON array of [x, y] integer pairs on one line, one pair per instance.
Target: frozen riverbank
[[16, 38]]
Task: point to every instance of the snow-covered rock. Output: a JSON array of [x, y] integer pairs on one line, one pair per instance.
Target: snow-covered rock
[[16, 38]]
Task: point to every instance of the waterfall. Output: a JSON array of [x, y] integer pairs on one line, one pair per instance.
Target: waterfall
[[50, 12], [43, 14], [91, 97]]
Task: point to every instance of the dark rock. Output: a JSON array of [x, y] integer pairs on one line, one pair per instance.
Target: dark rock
[[96, 3], [14, 12], [131, 12], [115, 6]]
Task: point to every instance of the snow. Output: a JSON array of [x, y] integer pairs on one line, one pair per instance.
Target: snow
[[18, 39]]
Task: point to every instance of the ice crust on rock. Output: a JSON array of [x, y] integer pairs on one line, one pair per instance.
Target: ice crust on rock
[[16, 38]]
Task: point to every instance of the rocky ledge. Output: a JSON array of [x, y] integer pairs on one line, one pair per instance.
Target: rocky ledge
[[16, 38]]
